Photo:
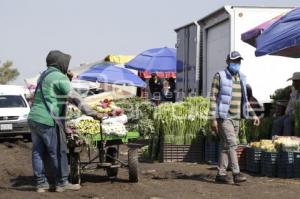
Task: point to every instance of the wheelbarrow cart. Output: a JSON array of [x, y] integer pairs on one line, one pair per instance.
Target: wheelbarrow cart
[[107, 157]]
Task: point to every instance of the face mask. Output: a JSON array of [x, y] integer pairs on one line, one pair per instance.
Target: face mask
[[234, 67]]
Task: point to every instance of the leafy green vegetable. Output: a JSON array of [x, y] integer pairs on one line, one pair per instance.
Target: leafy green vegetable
[[140, 115], [182, 122], [250, 133]]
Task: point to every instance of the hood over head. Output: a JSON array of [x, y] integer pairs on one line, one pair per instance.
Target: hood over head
[[59, 60]]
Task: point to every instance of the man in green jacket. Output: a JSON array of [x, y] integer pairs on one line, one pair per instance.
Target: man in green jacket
[[47, 139]]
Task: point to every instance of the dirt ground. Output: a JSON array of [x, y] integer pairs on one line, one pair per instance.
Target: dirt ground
[[157, 180]]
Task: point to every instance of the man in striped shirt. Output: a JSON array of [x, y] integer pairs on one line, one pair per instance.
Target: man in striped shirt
[[228, 103]]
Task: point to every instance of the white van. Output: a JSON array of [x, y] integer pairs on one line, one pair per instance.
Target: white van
[[14, 110]]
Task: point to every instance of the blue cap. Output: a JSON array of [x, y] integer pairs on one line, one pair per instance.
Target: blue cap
[[233, 55]]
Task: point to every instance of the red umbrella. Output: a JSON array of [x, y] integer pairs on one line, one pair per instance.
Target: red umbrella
[[147, 74]]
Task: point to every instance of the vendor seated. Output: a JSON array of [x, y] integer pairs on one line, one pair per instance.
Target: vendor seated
[[284, 125]]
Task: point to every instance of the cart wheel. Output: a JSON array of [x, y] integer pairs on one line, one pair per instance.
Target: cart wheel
[[75, 172], [113, 152], [133, 164]]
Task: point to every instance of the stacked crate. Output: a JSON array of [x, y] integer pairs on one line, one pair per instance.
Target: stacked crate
[[269, 163], [285, 167], [181, 153], [211, 152], [253, 160], [241, 154], [297, 164]]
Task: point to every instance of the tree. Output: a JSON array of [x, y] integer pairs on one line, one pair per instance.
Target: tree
[[7, 73]]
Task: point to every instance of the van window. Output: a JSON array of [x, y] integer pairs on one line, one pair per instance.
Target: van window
[[11, 101]]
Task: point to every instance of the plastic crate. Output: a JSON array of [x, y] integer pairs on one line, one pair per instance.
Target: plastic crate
[[285, 167], [269, 163], [241, 154], [253, 160], [181, 153], [211, 152], [297, 164]]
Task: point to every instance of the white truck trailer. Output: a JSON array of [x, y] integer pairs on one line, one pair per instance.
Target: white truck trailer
[[202, 47]]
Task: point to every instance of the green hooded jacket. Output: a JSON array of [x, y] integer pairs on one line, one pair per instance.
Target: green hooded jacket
[[56, 87]]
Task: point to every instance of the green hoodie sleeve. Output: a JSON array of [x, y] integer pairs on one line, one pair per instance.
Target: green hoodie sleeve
[[63, 85]]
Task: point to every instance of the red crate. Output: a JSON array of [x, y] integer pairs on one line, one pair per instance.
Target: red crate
[[241, 154]]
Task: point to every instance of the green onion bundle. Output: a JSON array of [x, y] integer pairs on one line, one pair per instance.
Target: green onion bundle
[[182, 122]]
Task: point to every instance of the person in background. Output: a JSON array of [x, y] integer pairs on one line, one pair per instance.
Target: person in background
[[155, 86], [172, 84], [166, 90], [284, 125], [152, 83], [169, 89], [46, 123], [140, 92], [228, 103], [254, 104]]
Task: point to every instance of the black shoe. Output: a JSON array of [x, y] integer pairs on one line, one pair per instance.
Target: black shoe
[[224, 179], [238, 178]]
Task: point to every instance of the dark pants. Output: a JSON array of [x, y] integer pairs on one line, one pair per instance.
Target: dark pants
[[45, 144]]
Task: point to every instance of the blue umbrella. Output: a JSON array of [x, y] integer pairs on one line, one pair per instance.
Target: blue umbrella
[[111, 73], [155, 60], [251, 35], [282, 38]]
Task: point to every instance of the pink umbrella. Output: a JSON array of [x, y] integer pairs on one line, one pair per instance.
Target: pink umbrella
[[251, 35]]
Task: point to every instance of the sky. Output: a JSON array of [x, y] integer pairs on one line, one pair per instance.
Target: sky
[[89, 30]]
